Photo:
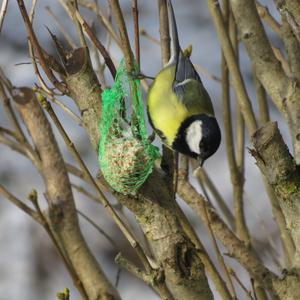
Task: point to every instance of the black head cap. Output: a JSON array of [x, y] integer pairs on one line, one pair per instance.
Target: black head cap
[[199, 137]]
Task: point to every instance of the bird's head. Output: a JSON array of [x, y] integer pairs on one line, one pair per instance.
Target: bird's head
[[199, 137]]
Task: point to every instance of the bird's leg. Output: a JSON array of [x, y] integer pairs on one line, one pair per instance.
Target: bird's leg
[[139, 75], [151, 137]]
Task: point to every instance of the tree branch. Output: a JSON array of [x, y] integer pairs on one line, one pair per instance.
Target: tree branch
[[61, 87], [292, 46], [62, 213], [237, 81], [98, 44], [267, 67], [235, 247], [277, 164], [85, 90], [284, 91], [154, 279], [6, 194]]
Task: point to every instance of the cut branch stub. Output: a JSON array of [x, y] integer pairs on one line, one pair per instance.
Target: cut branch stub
[[86, 91], [277, 164]]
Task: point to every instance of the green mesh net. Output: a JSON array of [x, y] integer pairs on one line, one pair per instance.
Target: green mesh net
[[126, 156]]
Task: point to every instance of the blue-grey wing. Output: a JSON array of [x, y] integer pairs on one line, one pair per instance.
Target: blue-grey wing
[[183, 73], [189, 89]]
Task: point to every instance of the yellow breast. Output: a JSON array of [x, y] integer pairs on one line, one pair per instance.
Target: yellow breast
[[166, 112]]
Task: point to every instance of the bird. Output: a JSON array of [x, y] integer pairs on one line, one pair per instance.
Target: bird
[[179, 107]]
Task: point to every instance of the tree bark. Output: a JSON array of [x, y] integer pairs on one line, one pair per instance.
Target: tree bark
[[153, 207], [277, 164], [284, 91], [62, 211]]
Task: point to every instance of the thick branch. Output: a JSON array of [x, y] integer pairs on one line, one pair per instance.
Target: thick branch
[[234, 246], [292, 48], [291, 10], [62, 213], [237, 80], [284, 92], [267, 67], [155, 211], [277, 164], [154, 216], [86, 91]]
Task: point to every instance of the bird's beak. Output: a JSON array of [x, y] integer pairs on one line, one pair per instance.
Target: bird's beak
[[201, 161]]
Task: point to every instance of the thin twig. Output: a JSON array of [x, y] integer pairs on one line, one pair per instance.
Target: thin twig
[[23, 148], [65, 108], [237, 81], [9, 132], [153, 278], [210, 268], [13, 145], [144, 33], [70, 9], [74, 8], [60, 86], [74, 171], [264, 13], [100, 230], [32, 56], [100, 67], [3, 12], [198, 67], [61, 28], [32, 11], [236, 178], [98, 44], [7, 83], [10, 113], [215, 244], [248, 293], [207, 181], [84, 192], [104, 20], [236, 248], [264, 114], [118, 277], [135, 13], [126, 48], [29, 211]]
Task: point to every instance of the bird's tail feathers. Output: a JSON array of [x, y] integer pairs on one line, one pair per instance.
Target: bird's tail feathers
[[174, 34]]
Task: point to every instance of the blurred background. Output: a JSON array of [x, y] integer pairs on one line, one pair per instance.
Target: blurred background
[[29, 265]]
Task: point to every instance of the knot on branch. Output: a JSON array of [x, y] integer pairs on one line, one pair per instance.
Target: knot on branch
[[272, 154], [23, 95], [75, 60]]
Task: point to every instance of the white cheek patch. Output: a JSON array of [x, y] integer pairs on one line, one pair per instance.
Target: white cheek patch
[[194, 136]]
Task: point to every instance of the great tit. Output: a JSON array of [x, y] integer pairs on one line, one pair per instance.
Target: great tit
[[179, 107]]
